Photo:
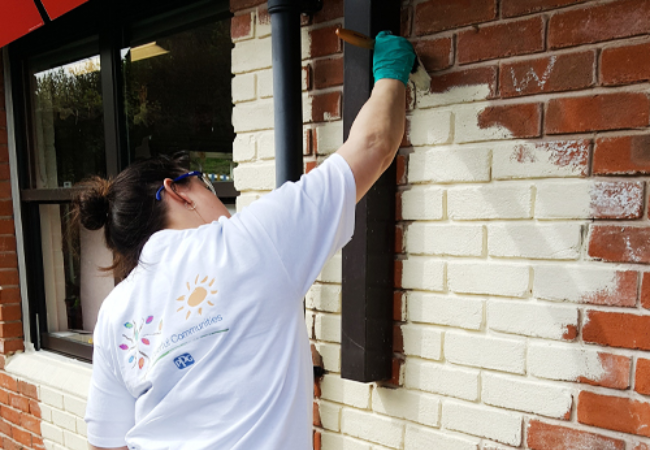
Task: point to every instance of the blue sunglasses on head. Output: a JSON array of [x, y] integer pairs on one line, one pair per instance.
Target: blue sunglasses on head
[[196, 173]]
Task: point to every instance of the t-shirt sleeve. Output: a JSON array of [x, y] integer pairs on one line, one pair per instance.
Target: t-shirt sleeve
[[307, 221], [110, 412]]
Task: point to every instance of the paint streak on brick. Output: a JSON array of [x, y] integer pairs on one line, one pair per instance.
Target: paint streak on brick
[[240, 26], [615, 374], [617, 200], [616, 329], [622, 292], [523, 121], [484, 76], [544, 436], [614, 413], [620, 243], [574, 154], [435, 54]]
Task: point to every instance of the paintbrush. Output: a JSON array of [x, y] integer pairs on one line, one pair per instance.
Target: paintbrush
[[418, 76]]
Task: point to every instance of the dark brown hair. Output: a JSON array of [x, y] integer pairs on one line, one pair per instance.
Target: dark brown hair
[[127, 207]]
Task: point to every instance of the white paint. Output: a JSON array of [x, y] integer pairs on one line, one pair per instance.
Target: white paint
[[405, 404], [74, 441], [531, 75], [492, 423], [616, 199], [585, 441], [421, 438], [329, 137], [332, 441], [453, 240], [328, 327], [535, 241], [450, 165], [531, 319], [348, 392], [243, 88], [251, 55], [429, 127], [509, 280], [244, 147], [522, 159], [253, 116], [470, 349], [265, 83], [255, 177], [563, 362], [422, 203], [64, 420], [449, 311], [372, 427], [324, 297], [245, 199], [331, 354], [505, 201], [422, 341], [263, 26], [467, 128], [443, 379], [330, 415], [453, 96], [332, 270], [423, 274], [305, 41]]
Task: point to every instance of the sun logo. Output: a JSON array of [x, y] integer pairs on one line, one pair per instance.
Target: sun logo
[[196, 295]]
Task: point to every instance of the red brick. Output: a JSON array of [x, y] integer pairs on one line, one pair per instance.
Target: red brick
[[398, 207], [22, 436], [513, 8], [324, 41], [616, 329], [240, 26], [640, 446], [398, 274], [620, 243], [545, 436], [523, 121], [8, 444], [8, 382], [617, 200], [35, 409], [4, 139], [4, 150], [9, 295], [19, 402], [9, 414], [317, 440], [599, 23], [549, 74], [310, 165], [37, 443], [316, 415], [317, 391], [483, 76], [406, 22], [8, 277], [614, 413], [598, 112], [28, 390], [7, 226], [396, 366], [645, 290], [3, 119], [11, 329], [400, 176], [397, 305], [501, 40], [399, 239], [6, 206], [5, 428], [238, 5], [328, 73], [10, 312], [436, 15], [332, 9], [5, 189], [622, 155], [4, 397], [398, 339], [435, 54], [7, 244], [624, 65], [326, 107], [616, 372], [30, 423], [8, 260], [642, 376], [11, 345]]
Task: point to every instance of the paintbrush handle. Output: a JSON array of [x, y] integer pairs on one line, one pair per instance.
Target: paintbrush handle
[[354, 38]]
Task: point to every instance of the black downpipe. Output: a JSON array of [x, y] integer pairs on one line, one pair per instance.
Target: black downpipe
[[287, 89]]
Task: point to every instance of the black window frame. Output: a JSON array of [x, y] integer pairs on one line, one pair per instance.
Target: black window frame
[[110, 21]]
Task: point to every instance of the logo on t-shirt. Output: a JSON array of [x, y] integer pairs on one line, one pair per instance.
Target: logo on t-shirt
[[183, 361], [197, 293]]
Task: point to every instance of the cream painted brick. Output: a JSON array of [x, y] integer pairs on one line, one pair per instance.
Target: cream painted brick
[[331, 354], [454, 96], [504, 201], [564, 362], [324, 297], [64, 420], [82, 428], [51, 432], [307, 110], [423, 341], [491, 423], [423, 203], [334, 441], [243, 88], [305, 40], [251, 55], [421, 438], [579, 285], [533, 319], [266, 145], [265, 83], [244, 146], [450, 165], [339, 390], [328, 327], [46, 412], [329, 137], [467, 128], [492, 279], [478, 350], [49, 445], [253, 116], [520, 159], [535, 241], [429, 127], [74, 406], [487, 445], [245, 199], [423, 273], [451, 240], [515, 393], [409, 405], [255, 177], [450, 311], [330, 415], [441, 379], [251, 33], [372, 427], [332, 270], [51, 397], [74, 441], [263, 27], [309, 323]]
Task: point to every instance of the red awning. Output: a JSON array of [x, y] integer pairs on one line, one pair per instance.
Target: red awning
[[19, 17]]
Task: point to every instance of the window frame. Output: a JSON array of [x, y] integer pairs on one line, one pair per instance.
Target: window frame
[[114, 19]]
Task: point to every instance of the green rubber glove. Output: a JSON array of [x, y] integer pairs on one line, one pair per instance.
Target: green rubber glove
[[393, 57]]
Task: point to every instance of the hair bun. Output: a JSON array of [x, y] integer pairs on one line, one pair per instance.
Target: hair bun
[[93, 203]]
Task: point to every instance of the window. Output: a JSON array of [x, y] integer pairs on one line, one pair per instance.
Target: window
[[155, 80]]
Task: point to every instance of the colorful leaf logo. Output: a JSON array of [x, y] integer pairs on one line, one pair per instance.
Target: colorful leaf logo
[[124, 347], [145, 341], [128, 325], [141, 363], [149, 319]]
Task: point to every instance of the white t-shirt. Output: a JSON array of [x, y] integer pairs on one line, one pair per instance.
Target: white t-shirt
[[204, 345]]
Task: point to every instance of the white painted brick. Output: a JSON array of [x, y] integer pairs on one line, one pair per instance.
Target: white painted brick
[[423, 203], [429, 127], [454, 96], [305, 38], [564, 362], [409, 405], [597, 285], [328, 327], [74, 406], [372, 427], [479, 350], [504, 201], [423, 273], [330, 415], [533, 319], [266, 145], [309, 323], [64, 420], [46, 412], [441, 379], [263, 28], [521, 395], [243, 88], [452, 240], [329, 137], [535, 241], [450, 165], [52, 432], [82, 428], [335, 441], [487, 445], [332, 270], [251, 32], [324, 297], [339, 390], [520, 159], [74, 441], [243, 147], [245, 199], [498, 425], [265, 83], [255, 177], [484, 278], [467, 128], [49, 445], [253, 116], [449, 311], [423, 341], [421, 438], [331, 354], [307, 109], [251, 55], [51, 397]]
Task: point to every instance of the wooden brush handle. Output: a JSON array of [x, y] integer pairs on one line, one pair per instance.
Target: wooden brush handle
[[354, 38]]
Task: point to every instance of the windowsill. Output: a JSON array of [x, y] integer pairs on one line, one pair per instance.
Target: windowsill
[[44, 368]]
